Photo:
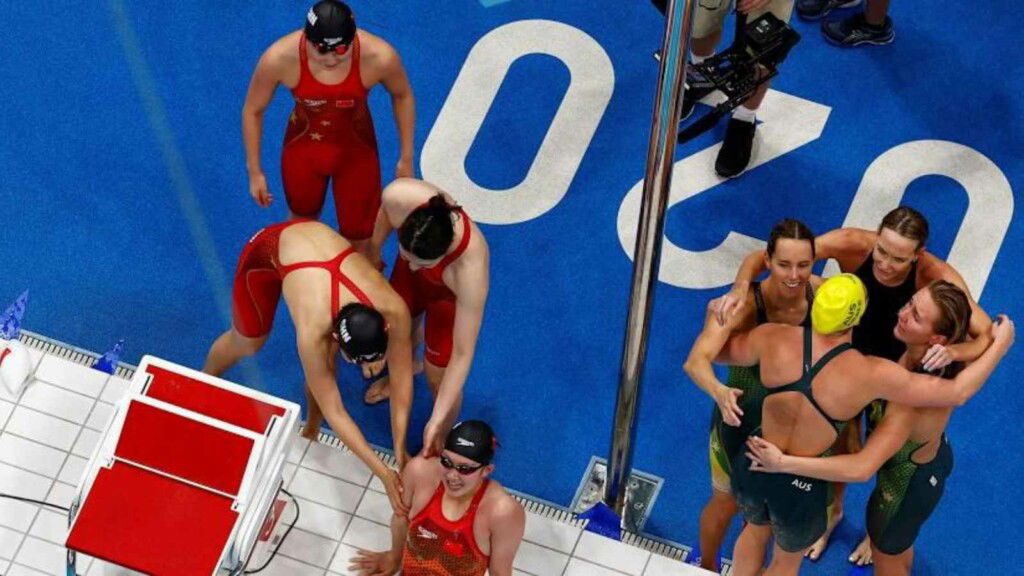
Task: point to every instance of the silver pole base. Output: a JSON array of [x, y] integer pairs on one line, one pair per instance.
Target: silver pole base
[[641, 493]]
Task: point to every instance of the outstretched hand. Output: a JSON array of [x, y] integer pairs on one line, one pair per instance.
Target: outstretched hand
[[369, 563], [393, 486], [764, 456], [729, 305], [728, 404], [433, 438]]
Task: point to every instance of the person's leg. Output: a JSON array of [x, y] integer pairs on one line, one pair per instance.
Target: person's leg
[[714, 522], [305, 187], [749, 552], [228, 349], [356, 185], [848, 442], [404, 283], [889, 565], [437, 344], [314, 417], [255, 292], [817, 9], [835, 516], [876, 11], [784, 563], [708, 18]]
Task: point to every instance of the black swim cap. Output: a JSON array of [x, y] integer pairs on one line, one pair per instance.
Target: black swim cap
[[472, 439], [362, 333], [330, 23]]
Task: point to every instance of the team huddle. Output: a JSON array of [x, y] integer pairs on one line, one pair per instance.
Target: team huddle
[[341, 303], [895, 340], [895, 337]]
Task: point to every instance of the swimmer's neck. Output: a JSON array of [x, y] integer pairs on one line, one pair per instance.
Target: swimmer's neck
[[461, 503], [915, 353]]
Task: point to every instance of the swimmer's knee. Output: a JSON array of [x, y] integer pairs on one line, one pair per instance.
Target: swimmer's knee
[[245, 346]]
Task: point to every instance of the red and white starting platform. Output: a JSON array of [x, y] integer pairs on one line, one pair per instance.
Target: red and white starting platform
[[184, 481]]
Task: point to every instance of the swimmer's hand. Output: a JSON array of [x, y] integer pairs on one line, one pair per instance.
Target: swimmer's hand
[[727, 306], [393, 486], [258, 189], [1003, 333], [936, 358], [368, 563], [373, 369], [726, 398], [433, 438], [764, 456]]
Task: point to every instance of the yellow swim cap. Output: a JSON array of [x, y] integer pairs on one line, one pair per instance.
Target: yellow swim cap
[[838, 304]]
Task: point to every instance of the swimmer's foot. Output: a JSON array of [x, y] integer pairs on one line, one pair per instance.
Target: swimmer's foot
[[311, 430], [861, 556], [818, 548], [379, 391]]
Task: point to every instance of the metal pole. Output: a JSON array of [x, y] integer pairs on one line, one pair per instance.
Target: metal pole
[[646, 257]]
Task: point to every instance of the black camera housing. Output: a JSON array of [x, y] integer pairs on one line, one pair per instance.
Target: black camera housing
[[753, 58]]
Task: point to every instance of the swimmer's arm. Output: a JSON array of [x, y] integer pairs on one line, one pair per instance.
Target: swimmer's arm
[[709, 343], [890, 381], [264, 81], [400, 522], [314, 353], [403, 105], [847, 246], [752, 267], [743, 348], [508, 523], [883, 443], [399, 361], [471, 296]]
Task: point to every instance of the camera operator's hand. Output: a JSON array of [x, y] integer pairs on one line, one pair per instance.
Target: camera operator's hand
[[748, 6]]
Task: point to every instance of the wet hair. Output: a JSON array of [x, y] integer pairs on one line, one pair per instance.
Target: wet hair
[[790, 229], [908, 223], [428, 231], [954, 310]]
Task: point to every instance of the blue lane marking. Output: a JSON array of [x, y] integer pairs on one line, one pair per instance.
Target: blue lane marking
[[175, 162]]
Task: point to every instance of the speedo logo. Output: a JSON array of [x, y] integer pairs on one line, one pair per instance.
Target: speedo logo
[[424, 533], [311, 17], [805, 486], [464, 442], [332, 41], [313, 103]]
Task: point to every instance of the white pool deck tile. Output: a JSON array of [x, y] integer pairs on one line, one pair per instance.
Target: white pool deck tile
[[50, 430], [42, 428]]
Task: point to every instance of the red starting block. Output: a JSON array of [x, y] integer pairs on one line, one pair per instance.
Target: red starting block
[[185, 479]]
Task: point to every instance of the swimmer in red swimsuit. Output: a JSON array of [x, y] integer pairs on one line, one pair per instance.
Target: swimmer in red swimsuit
[[463, 523], [442, 272], [330, 67], [338, 302]]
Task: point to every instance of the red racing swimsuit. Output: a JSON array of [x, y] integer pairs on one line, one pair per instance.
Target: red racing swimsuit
[[330, 136], [425, 291], [259, 275], [436, 546]]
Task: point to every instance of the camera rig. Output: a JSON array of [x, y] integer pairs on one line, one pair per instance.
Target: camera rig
[[753, 58]]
